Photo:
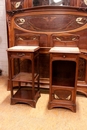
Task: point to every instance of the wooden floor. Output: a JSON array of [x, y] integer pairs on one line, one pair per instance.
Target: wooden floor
[[24, 117]]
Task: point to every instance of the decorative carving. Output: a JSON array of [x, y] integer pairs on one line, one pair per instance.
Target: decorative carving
[[17, 4], [81, 20], [51, 22], [49, 19], [27, 36], [19, 38], [21, 21], [66, 38], [62, 94]]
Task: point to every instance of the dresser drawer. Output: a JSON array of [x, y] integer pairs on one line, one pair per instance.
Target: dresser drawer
[[63, 56], [20, 54]]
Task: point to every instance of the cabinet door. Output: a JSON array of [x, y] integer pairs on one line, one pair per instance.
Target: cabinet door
[[18, 4]]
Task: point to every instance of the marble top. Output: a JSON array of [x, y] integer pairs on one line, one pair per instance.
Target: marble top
[[64, 50], [23, 48]]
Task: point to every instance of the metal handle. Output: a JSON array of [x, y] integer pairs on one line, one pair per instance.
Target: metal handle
[[64, 56], [22, 54]]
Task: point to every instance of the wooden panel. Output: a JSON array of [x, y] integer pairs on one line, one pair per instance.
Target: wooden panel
[[35, 21], [52, 22]]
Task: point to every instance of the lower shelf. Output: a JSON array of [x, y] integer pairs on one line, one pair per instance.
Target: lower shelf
[[24, 95]]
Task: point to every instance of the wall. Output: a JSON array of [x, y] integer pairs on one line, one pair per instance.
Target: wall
[[3, 39]]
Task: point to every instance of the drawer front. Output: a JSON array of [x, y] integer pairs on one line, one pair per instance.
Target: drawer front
[[64, 56], [20, 54]]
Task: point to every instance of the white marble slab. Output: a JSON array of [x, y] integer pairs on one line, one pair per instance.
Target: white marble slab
[[23, 48], [64, 50]]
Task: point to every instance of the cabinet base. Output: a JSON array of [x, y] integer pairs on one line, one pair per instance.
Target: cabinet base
[[24, 96], [72, 107]]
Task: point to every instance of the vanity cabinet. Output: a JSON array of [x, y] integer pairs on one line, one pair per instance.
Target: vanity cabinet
[[29, 21]]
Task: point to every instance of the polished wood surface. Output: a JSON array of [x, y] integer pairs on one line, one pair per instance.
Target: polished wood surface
[[27, 26], [63, 77], [27, 90]]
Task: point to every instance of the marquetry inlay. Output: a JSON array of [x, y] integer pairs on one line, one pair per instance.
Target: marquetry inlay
[[51, 22]]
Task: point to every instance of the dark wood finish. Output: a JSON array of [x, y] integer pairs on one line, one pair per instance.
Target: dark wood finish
[[27, 90], [63, 79]]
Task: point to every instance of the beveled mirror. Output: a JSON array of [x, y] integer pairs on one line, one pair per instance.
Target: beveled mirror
[[51, 2]]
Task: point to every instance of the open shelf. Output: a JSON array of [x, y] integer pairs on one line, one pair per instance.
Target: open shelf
[[24, 77], [24, 93], [63, 73]]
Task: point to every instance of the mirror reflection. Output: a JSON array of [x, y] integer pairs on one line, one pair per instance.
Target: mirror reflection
[[51, 2], [60, 2]]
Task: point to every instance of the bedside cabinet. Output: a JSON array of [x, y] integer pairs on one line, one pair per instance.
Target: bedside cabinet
[[27, 90], [63, 77]]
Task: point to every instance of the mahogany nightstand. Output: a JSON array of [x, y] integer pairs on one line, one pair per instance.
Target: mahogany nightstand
[[63, 77], [28, 82]]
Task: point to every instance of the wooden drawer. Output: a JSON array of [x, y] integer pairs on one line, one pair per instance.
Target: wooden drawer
[[64, 56], [20, 54]]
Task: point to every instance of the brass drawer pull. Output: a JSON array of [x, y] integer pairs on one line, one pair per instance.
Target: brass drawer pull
[[64, 56], [22, 54]]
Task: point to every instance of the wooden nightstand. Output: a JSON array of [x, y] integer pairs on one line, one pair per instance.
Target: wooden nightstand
[[28, 82], [63, 77]]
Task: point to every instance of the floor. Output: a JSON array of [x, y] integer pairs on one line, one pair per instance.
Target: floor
[[24, 117]]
